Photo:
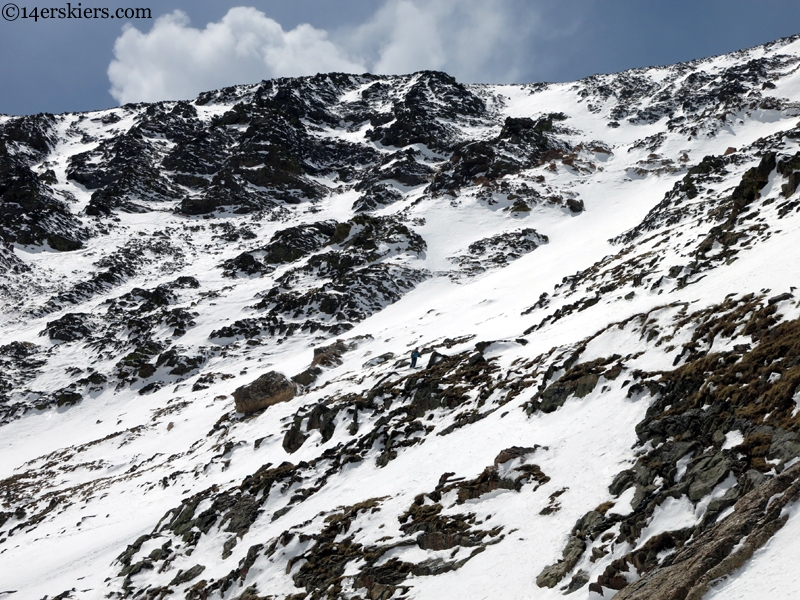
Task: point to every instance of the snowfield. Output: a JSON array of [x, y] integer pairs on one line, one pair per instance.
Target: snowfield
[[601, 276]]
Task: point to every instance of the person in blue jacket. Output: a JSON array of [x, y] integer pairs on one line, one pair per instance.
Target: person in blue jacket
[[414, 356]]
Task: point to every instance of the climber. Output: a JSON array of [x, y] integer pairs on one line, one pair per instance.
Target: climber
[[414, 356]]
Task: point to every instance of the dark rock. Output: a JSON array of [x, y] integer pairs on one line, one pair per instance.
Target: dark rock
[[512, 453], [292, 243], [188, 575], [785, 446], [308, 376], [330, 355], [375, 196], [522, 143], [271, 388], [555, 395], [178, 363], [790, 187], [553, 574], [67, 397], [498, 251], [129, 365], [244, 263], [475, 359], [435, 358], [780, 298], [420, 119], [705, 474], [579, 380], [30, 213], [19, 350], [69, 328], [575, 206], [621, 482], [293, 439], [580, 579]]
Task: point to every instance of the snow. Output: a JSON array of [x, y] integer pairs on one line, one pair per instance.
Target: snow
[[732, 439], [623, 506], [671, 515], [682, 464]]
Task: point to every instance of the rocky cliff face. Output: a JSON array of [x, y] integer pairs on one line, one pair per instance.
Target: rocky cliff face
[[599, 276]]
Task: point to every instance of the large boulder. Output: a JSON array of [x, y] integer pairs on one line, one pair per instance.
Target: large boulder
[[271, 388]]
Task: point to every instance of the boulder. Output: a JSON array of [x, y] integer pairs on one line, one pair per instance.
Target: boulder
[[512, 453], [271, 388], [575, 206], [779, 298], [331, 355], [785, 445], [308, 376], [706, 473], [378, 360], [435, 358]]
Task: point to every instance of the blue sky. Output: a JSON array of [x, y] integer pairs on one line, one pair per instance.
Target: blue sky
[[60, 65]]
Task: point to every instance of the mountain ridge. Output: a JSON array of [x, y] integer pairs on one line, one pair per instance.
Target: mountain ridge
[[598, 274]]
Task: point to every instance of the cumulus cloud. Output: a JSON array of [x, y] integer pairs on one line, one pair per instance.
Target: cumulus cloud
[[471, 39], [174, 60], [475, 40]]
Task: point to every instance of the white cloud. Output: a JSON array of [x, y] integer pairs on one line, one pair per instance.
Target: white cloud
[[474, 40], [471, 39], [174, 60]]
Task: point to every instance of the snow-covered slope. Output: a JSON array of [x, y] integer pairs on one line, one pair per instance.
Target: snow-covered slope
[[599, 276]]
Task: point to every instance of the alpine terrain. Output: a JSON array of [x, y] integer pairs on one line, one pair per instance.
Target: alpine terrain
[[209, 307]]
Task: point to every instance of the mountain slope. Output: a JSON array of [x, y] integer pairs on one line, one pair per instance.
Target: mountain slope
[[599, 276]]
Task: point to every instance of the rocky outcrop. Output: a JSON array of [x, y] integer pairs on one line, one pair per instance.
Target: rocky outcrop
[[496, 252], [324, 356], [578, 381], [695, 408], [522, 143], [10, 262], [349, 277], [69, 328], [419, 118], [334, 555], [30, 211], [723, 548]]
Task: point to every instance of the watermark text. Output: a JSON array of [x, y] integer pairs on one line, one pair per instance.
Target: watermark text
[[12, 12]]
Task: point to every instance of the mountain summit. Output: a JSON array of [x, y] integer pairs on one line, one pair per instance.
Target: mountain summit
[[209, 310]]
